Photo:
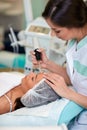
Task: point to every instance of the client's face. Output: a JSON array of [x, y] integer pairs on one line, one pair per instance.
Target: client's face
[[30, 80]]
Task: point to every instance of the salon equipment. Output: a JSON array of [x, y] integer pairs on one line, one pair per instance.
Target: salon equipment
[[37, 54], [38, 57], [37, 35], [10, 57], [15, 42], [11, 61]]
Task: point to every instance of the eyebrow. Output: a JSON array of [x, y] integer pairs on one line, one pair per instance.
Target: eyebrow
[[53, 28], [56, 29]]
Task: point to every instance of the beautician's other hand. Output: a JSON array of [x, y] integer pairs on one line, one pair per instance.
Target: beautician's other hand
[[58, 84], [43, 60]]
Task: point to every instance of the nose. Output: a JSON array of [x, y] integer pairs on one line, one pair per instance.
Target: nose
[[32, 74], [53, 33]]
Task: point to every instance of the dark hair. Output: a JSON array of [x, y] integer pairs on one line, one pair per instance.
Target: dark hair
[[18, 103], [66, 13]]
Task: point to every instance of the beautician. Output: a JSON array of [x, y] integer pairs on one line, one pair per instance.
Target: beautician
[[68, 21]]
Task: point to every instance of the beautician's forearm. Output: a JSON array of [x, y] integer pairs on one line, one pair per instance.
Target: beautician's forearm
[[78, 98], [55, 68]]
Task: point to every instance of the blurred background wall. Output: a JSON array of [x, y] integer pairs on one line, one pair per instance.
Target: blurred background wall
[[12, 12]]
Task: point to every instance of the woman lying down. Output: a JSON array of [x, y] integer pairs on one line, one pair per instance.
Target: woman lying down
[[19, 91]]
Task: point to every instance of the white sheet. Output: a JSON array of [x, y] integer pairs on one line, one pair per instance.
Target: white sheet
[[62, 127], [41, 111], [44, 110], [9, 81]]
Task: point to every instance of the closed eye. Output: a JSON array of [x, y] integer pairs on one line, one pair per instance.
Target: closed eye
[[58, 31]]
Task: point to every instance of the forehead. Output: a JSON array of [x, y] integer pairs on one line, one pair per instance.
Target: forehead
[[54, 26]]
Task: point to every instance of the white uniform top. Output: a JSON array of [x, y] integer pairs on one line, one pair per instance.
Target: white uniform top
[[77, 65]]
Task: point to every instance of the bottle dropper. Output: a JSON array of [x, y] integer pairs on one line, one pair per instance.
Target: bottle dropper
[[37, 53]]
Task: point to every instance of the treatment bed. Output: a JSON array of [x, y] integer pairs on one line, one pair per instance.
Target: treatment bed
[[53, 114]]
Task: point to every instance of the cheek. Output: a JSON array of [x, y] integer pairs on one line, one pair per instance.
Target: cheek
[[31, 84], [39, 77], [66, 35], [62, 36]]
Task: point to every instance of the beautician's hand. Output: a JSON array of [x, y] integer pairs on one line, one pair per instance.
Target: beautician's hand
[[58, 84], [43, 60]]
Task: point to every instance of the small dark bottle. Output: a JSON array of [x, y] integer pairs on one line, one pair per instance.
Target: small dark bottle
[[37, 54]]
